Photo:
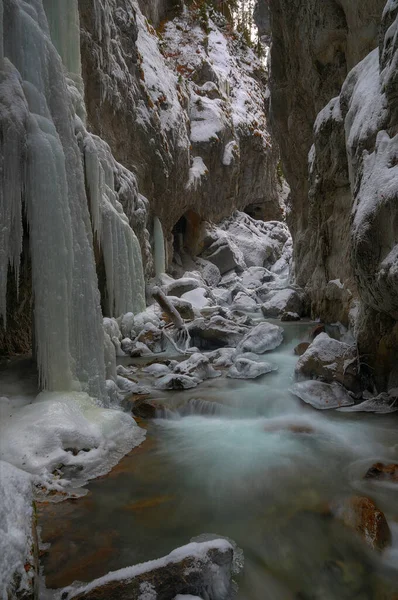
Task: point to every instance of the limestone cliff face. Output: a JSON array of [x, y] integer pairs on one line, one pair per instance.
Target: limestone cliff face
[[170, 102], [340, 162]]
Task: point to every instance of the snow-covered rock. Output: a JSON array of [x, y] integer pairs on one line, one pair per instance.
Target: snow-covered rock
[[198, 298], [197, 366], [322, 395], [262, 338], [182, 285], [281, 301], [245, 368], [223, 357], [174, 381], [330, 360], [381, 404], [69, 429], [216, 333], [197, 568]]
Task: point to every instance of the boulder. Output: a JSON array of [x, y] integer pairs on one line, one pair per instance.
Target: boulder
[[176, 382], [197, 569], [209, 271], [363, 516], [301, 348], [282, 301], [330, 360], [147, 409], [183, 306], [244, 302], [245, 368], [198, 298], [290, 316], [216, 333], [322, 395], [382, 404], [152, 337], [223, 256], [382, 472], [316, 331], [181, 286], [197, 366], [223, 357], [262, 338]]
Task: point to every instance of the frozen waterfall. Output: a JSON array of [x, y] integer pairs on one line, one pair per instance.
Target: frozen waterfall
[[43, 177]]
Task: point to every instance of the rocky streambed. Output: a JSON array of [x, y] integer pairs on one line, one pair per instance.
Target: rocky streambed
[[300, 491]]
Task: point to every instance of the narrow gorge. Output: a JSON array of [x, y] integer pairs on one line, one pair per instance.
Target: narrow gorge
[[198, 299]]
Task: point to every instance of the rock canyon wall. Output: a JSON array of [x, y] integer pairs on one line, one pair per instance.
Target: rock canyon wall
[[334, 114]]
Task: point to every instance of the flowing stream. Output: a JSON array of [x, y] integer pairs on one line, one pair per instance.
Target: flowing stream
[[246, 460]]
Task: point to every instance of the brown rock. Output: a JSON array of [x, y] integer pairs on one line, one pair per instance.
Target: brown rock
[[301, 348], [383, 472], [317, 330], [362, 515], [147, 409]]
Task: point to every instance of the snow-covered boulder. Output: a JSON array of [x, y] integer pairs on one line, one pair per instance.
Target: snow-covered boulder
[[330, 360], [157, 370], [174, 381], [382, 404], [245, 368], [262, 338], [282, 301], [183, 306], [209, 271], [197, 366], [223, 357], [244, 302], [152, 337], [197, 569], [182, 285], [216, 333], [322, 395], [198, 298], [222, 254], [254, 277]]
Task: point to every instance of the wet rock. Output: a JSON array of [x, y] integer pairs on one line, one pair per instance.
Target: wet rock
[[382, 472], [262, 338], [316, 331], [147, 409], [198, 569], [244, 368], [282, 301], [363, 516], [322, 395], [289, 316], [330, 360], [382, 404], [301, 348]]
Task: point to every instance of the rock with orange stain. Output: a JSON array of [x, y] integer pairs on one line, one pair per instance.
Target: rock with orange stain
[[301, 348], [363, 516], [383, 472]]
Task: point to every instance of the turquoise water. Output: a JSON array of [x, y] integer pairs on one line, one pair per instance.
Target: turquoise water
[[262, 469]]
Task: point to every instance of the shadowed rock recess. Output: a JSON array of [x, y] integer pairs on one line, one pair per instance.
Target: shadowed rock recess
[[334, 114]]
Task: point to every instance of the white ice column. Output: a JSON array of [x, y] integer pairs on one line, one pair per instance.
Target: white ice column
[[159, 247]]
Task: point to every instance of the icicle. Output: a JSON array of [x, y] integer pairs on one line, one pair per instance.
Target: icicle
[[119, 244], [13, 110], [159, 247]]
